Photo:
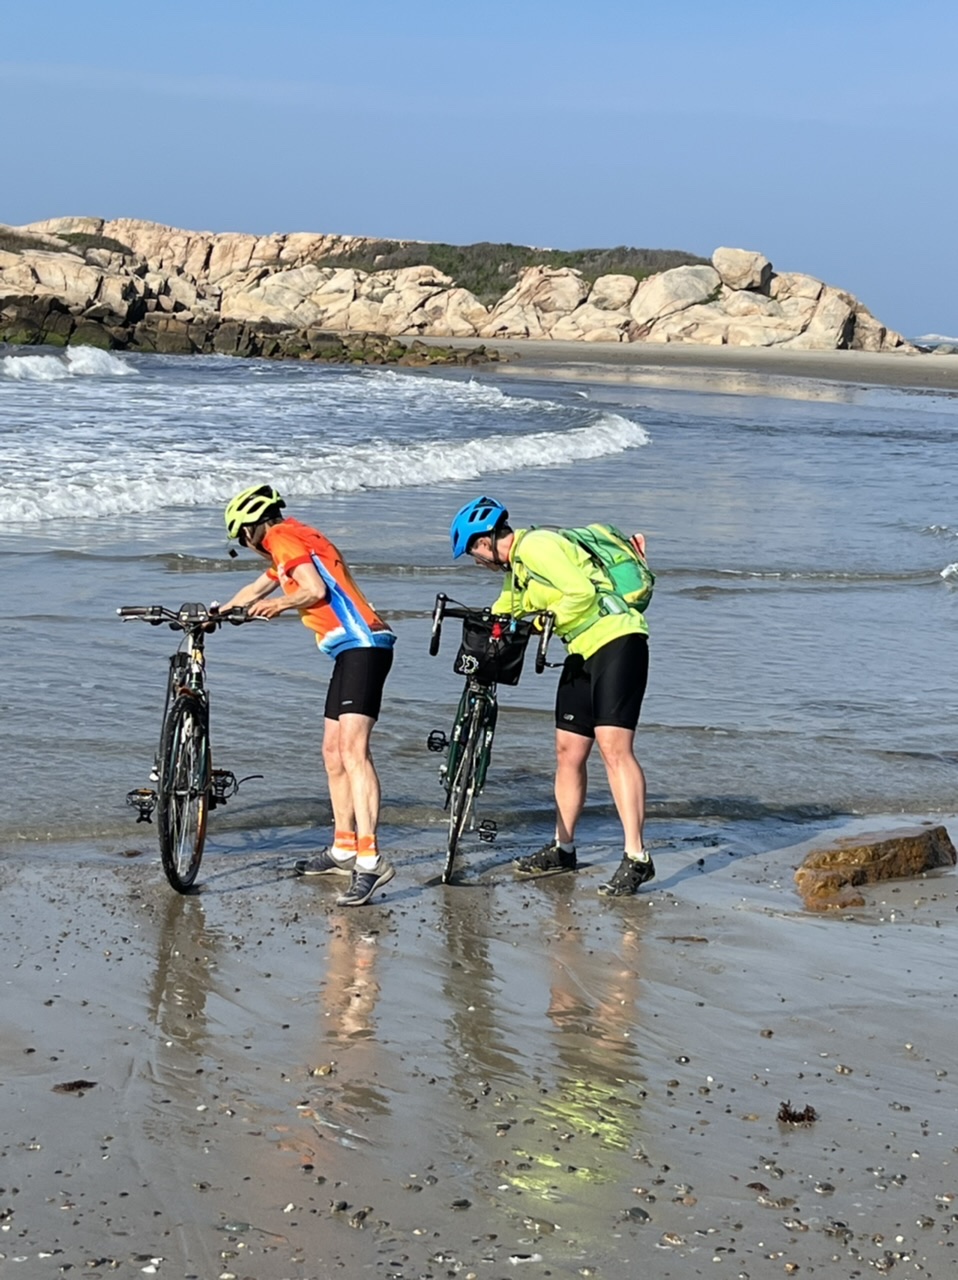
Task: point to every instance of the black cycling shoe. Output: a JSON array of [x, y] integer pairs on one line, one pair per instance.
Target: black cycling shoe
[[324, 864], [628, 877], [365, 883], [550, 860]]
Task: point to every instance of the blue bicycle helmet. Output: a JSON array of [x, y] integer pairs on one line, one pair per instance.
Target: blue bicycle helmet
[[482, 515]]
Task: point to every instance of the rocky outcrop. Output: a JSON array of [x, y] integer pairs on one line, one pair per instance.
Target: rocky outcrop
[[127, 283], [828, 878]]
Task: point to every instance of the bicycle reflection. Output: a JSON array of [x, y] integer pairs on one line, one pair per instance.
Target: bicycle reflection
[[186, 959]]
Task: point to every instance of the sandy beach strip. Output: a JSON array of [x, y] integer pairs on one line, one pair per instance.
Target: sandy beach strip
[[627, 361], [486, 1079]]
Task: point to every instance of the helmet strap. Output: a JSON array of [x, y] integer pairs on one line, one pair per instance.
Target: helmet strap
[[494, 543]]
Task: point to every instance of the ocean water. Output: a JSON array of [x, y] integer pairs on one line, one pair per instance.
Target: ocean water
[[805, 537]]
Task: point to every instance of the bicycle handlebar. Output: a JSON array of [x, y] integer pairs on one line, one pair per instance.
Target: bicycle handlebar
[[188, 615], [444, 609]]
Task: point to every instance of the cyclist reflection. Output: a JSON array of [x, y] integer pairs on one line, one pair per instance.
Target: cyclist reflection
[[348, 998], [593, 1008]]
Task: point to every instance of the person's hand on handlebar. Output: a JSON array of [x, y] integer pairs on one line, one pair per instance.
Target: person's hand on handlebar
[[268, 608]]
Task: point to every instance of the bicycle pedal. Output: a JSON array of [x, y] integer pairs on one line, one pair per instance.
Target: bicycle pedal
[[487, 830], [143, 799], [437, 741], [223, 784]]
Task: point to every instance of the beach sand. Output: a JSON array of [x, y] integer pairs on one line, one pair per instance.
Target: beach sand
[[699, 367], [479, 1078], [490, 1078]]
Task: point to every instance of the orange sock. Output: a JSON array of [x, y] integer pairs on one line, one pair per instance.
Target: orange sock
[[367, 852], [345, 841]]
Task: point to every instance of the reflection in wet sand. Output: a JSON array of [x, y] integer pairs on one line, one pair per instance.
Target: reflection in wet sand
[[186, 955], [348, 998], [711, 381], [594, 1101], [543, 1058], [471, 991]]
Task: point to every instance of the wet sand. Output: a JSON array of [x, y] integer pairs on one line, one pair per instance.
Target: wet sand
[[482, 1079], [671, 364]]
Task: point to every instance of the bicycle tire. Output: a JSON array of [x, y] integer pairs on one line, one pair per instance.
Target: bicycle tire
[[183, 791], [462, 788]]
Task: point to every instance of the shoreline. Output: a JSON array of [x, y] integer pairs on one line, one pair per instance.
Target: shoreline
[[585, 361]]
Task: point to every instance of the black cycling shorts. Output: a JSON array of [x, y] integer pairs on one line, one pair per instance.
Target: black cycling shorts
[[356, 686], [606, 689]]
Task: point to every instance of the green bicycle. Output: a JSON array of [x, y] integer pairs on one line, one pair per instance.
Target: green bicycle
[[492, 652]]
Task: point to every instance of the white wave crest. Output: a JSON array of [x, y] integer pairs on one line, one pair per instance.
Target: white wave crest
[[118, 484], [74, 362], [950, 573], [437, 392]]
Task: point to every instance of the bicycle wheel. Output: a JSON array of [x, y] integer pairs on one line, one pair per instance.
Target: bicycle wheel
[[182, 801], [462, 788]]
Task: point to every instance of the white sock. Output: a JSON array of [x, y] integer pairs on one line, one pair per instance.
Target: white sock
[[367, 861], [641, 856], [565, 846]]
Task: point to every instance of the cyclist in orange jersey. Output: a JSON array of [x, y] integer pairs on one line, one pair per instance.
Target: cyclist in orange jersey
[[317, 583]]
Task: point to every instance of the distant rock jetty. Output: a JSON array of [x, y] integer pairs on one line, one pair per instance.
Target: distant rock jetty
[[132, 285]]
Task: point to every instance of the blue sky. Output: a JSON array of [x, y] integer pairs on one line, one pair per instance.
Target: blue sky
[[821, 134]]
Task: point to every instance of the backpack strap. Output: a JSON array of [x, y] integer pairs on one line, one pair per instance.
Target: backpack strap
[[565, 636]]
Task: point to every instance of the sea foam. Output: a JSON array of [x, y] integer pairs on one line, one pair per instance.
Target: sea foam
[[74, 362], [127, 480]]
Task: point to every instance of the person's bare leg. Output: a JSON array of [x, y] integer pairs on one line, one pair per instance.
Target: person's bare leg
[[626, 781], [340, 788], [372, 870], [360, 772], [571, 782]]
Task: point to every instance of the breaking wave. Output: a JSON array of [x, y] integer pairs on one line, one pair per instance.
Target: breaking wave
[[86, 362], [90, 483]]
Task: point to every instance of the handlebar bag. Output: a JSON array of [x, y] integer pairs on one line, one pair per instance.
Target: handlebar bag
[[492, 649]]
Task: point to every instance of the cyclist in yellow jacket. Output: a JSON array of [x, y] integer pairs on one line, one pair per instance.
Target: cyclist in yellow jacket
[[601, 687]]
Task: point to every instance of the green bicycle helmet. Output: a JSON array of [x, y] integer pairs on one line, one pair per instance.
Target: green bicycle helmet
[[250, 507]]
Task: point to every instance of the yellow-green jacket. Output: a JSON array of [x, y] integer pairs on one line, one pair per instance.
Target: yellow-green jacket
[[549, 573]]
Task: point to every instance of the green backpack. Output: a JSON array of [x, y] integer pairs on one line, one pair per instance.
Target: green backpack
[[613, 554]]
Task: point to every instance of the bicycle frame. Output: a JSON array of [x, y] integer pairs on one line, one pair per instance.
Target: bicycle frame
[[469, 747], [186, 786]]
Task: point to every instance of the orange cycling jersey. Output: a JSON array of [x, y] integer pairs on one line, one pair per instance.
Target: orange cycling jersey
[[345, 619]]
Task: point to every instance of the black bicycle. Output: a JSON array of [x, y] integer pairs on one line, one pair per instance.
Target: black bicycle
[[187, 786], [491, 653]]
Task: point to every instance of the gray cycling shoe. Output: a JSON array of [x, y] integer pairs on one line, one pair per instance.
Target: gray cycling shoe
[[324, 864], [365, 883], [628, 878], [550, 860]]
